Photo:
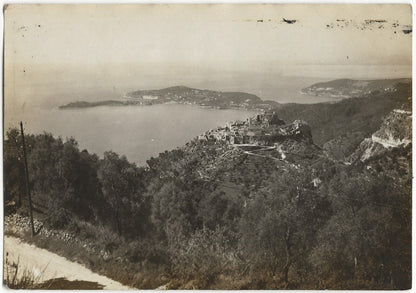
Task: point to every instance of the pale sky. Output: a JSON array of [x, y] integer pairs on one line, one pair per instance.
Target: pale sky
[[58, 47]]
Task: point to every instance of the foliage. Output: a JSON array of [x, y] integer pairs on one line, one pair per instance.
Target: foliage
[[279, 225], [122, 188], [207, 210], [369, 235], [13, 168]]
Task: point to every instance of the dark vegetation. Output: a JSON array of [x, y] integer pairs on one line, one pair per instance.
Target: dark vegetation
[[210, 216], [83, 104], [340, 127]]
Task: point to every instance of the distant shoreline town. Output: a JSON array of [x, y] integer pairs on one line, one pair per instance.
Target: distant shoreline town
[[336, 89], [184, 95]]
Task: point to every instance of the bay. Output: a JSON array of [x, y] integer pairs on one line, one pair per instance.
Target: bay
[[134, 131]]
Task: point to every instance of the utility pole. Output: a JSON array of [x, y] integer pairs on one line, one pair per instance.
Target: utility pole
[[27, 180], [17, 150]]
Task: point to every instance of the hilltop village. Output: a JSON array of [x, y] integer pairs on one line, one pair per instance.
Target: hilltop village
[[263, 129], [245, 206]]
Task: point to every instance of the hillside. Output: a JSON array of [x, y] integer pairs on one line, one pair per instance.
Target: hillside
[[298, 197], [394, 132], [348, 88], [340, 127], [184, 95]]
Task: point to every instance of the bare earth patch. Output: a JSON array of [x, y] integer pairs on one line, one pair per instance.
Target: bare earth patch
[[57, 270]]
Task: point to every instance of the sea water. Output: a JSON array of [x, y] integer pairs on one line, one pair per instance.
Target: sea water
[[138, 132]]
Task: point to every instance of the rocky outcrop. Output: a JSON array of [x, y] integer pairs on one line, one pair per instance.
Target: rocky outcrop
[[396, 129], [394, 132], [17, 224], [297, 128]]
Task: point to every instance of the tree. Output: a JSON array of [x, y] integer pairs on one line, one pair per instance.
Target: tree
[[122, 188], [279, 224], [367, 241], [14, 186]]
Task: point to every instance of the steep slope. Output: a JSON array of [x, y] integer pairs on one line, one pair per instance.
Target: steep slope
[[270, 211], [395, 132], [238, 169], [343, 125]]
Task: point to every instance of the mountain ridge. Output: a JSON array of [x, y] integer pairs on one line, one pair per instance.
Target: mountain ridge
[[247, 213], [348, 88]]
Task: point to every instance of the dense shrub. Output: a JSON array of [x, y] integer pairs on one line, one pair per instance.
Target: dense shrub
[[195, 216]]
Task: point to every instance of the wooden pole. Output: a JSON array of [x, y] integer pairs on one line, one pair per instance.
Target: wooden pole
[[27, 180], [20, 194]]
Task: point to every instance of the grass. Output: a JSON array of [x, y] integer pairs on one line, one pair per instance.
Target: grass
[[16, 277], [117, 266]]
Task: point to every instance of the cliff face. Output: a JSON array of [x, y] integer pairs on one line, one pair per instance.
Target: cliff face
[[394, 132], [396, 129]]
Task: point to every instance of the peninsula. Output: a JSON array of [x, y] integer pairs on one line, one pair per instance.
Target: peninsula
[[184, 95]]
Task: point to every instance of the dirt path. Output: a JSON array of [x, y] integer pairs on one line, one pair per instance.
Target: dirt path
[[47, 265]]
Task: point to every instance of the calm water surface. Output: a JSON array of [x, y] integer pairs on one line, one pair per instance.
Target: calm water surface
[[141, 132], [134, 131]]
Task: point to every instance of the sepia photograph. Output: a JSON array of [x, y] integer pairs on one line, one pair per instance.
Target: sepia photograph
[[233, 146]]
